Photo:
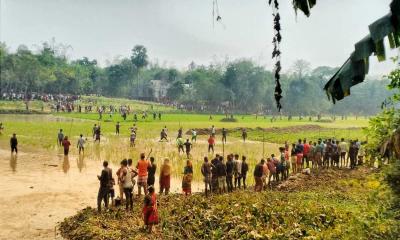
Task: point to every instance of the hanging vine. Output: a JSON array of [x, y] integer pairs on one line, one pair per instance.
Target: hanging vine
[[276, 53]]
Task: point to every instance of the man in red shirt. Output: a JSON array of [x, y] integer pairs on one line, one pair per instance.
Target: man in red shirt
[[142, 166], [211, 143], [306, 152], [66, 145]]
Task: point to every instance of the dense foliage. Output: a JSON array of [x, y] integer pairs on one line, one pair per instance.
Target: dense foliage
[[350, 205], [240, 86]]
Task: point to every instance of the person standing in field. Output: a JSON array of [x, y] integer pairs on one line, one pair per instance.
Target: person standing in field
[[306, 151], [244, 134], [117, 126], [97, 134], [229, 173], [194, 135], [352, 154], [66, 145], [187, 178], [132, 137], [60, 137], [211, 143], [94, 130], [311, 154], [180, 144], [343, 148], [165, 177], [120, 183], [104, 179], [142, 167], [272, 171], [206, 172], [214, 173], [245, 169], [150, 212], [188, 148], [213, 131], [126, 179], [258, 173], [159, 116], [319, 149], [293, 158], [151, 172], [221, 167], [180, 133], [299, 155], [224, 133], [14, 143], [265, 173], [81, 144], [237, 170]]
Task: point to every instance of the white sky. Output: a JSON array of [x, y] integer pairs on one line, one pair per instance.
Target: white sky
[[177, 32]]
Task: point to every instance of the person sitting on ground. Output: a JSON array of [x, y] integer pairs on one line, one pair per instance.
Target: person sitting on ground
[[150, 212], [165, 177], [151, 172], [187, 178]]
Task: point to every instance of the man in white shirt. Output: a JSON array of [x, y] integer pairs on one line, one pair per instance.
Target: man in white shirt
[[81, 144]]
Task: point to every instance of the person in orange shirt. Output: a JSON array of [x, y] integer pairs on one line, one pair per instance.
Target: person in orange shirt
[[142, 166], [211, 143]]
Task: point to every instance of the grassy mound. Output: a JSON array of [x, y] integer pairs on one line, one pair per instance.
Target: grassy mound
[[349, 204]]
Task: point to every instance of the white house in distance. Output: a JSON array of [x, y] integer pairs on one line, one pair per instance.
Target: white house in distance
[[160, 88]]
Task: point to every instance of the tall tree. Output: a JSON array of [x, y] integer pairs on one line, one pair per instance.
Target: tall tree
[[139, 59]]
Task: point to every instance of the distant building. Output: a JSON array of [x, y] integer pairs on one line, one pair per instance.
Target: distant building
[[160, 88]]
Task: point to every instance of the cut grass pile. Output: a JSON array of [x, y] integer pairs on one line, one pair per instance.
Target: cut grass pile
[[348, 205]]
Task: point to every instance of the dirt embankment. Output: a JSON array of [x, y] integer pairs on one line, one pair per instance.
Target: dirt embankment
[[292, 129]]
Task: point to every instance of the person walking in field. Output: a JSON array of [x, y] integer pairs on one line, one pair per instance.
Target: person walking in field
[[165, 177], [97, 134], [66, 143], [211, 144], [117, 126], [224, 133], [180, 133], [150, 212], [187, 178], [60, 137], [272, 171], [81, 144], [180, 144], [142, 167], [213, 131], [343, 148], [163, 135], [244, 134], [94, 130], [14, 143], [194, 135], [188, 148], [132, 137], [206, 172]]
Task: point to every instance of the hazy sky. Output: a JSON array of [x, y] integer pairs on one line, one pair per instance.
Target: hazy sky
[[177, 32]]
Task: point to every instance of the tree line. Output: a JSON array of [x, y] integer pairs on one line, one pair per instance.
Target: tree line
[[230, 86]]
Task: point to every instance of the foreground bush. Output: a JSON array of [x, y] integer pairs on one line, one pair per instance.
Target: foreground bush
[[330, 205]]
